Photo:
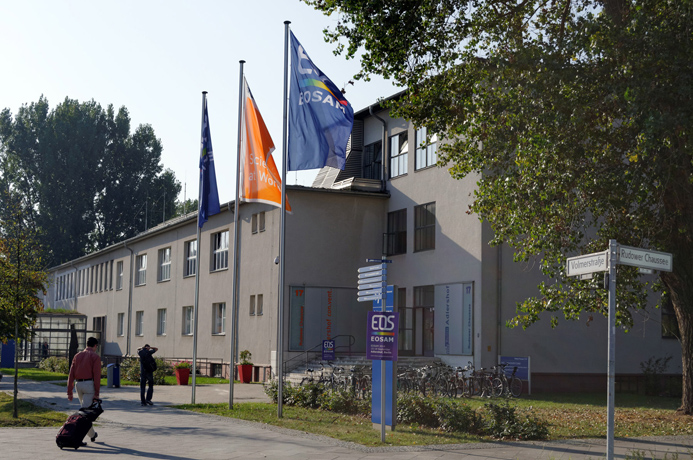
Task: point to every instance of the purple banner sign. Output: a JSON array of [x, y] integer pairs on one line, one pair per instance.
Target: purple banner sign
[[382, 336]]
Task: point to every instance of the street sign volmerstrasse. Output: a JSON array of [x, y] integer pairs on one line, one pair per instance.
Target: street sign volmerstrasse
[[645, 258], [589, 263]]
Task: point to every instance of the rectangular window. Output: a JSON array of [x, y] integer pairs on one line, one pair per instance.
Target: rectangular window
[[396, 232], [219, 318], [91, 280], [425, 227], [161, 321], [220, 247], [164, 264], [105, 276], [253, 223], [121, 324], [110, 278], [187, 321], [190, 258], [139, 323], [372, 160], [119, 279], [252, 305], [141, 277], [399, 148], [258, 307], [261, 223], [426, 150]]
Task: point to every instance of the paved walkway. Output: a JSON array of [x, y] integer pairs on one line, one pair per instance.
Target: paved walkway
[[131, 431]]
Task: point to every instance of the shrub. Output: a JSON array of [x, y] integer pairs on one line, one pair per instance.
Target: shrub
[[344, 402], [55, 364], [130, 370], [413, 408], [653, 370], [505, 423], [457, 417]]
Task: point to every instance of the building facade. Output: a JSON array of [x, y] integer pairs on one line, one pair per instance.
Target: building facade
[[454, 292]]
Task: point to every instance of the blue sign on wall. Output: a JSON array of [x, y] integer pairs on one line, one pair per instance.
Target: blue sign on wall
[[522, 364]]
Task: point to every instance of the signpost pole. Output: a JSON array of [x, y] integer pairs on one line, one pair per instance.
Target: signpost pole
[[613, 257]]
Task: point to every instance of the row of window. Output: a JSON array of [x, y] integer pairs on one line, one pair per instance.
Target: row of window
[[218, 318], [424, 229], [426, 154], [88, 280], [219, 259]]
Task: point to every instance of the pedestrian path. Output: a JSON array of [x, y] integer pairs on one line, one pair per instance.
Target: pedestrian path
[[131, 431]]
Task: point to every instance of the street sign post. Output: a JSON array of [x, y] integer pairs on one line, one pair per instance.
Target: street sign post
[[584, 266]]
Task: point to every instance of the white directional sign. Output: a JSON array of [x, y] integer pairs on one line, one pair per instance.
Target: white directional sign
[[644, 258], [371, 282], [589, 263]]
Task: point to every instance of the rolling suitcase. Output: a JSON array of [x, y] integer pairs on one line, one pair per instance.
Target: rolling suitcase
[[77, 426]]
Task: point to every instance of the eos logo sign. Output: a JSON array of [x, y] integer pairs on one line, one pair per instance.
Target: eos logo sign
[[383, 323]]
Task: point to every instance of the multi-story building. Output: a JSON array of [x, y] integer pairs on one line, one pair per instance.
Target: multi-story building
[[454, 292]]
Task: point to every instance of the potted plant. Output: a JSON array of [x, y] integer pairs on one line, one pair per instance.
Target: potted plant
[[182, 370], [245, 368]]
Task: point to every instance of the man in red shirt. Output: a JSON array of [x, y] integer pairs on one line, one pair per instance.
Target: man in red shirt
[[85, 377]]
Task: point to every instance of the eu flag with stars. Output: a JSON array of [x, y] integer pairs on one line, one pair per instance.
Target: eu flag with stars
[[209, 197], [320, 118]]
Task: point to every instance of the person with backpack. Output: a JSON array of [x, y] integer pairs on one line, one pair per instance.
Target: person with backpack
[[147, 368]]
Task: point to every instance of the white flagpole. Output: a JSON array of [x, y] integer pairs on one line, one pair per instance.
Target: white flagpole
[[236, 231], [197, 262], [282, 248]]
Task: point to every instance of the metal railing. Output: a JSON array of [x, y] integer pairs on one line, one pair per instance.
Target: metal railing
[[303, 358]]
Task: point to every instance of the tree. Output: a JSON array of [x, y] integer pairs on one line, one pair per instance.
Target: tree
[[576, 117], [21, 277], [86, 176]]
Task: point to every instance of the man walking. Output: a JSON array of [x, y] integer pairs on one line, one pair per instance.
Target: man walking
[[85, 377], [147, 368]]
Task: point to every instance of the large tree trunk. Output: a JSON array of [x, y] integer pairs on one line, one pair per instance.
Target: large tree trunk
[[680, 286]]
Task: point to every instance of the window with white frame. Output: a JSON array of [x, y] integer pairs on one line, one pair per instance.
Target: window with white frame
[[119, 276], [139, 323], [220, 251], [261, 223], [141, 273], [190, 258], [121, 324], [252, 305], [253, 223], [187, 321], [219, 318], [399, 148], [164, 264], [426, 149], [161, 321]]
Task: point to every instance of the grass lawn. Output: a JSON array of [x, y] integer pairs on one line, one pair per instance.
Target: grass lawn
[[569, 416], [29, 415]]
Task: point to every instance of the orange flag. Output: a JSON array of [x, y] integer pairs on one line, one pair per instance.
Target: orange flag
[[260, 180]]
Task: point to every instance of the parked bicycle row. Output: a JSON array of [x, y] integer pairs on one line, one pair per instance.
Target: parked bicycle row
[[436, 379]]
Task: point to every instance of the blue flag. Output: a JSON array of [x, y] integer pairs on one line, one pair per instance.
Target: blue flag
[[209, 197], [320, 118]]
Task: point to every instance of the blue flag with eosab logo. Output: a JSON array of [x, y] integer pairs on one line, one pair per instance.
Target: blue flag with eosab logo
[[320, 118], [209, 196]]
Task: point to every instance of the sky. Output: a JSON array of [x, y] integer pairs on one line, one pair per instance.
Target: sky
[[155, 57]]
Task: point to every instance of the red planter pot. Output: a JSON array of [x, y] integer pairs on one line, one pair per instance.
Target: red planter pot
[[245, 373], [182, 376]]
